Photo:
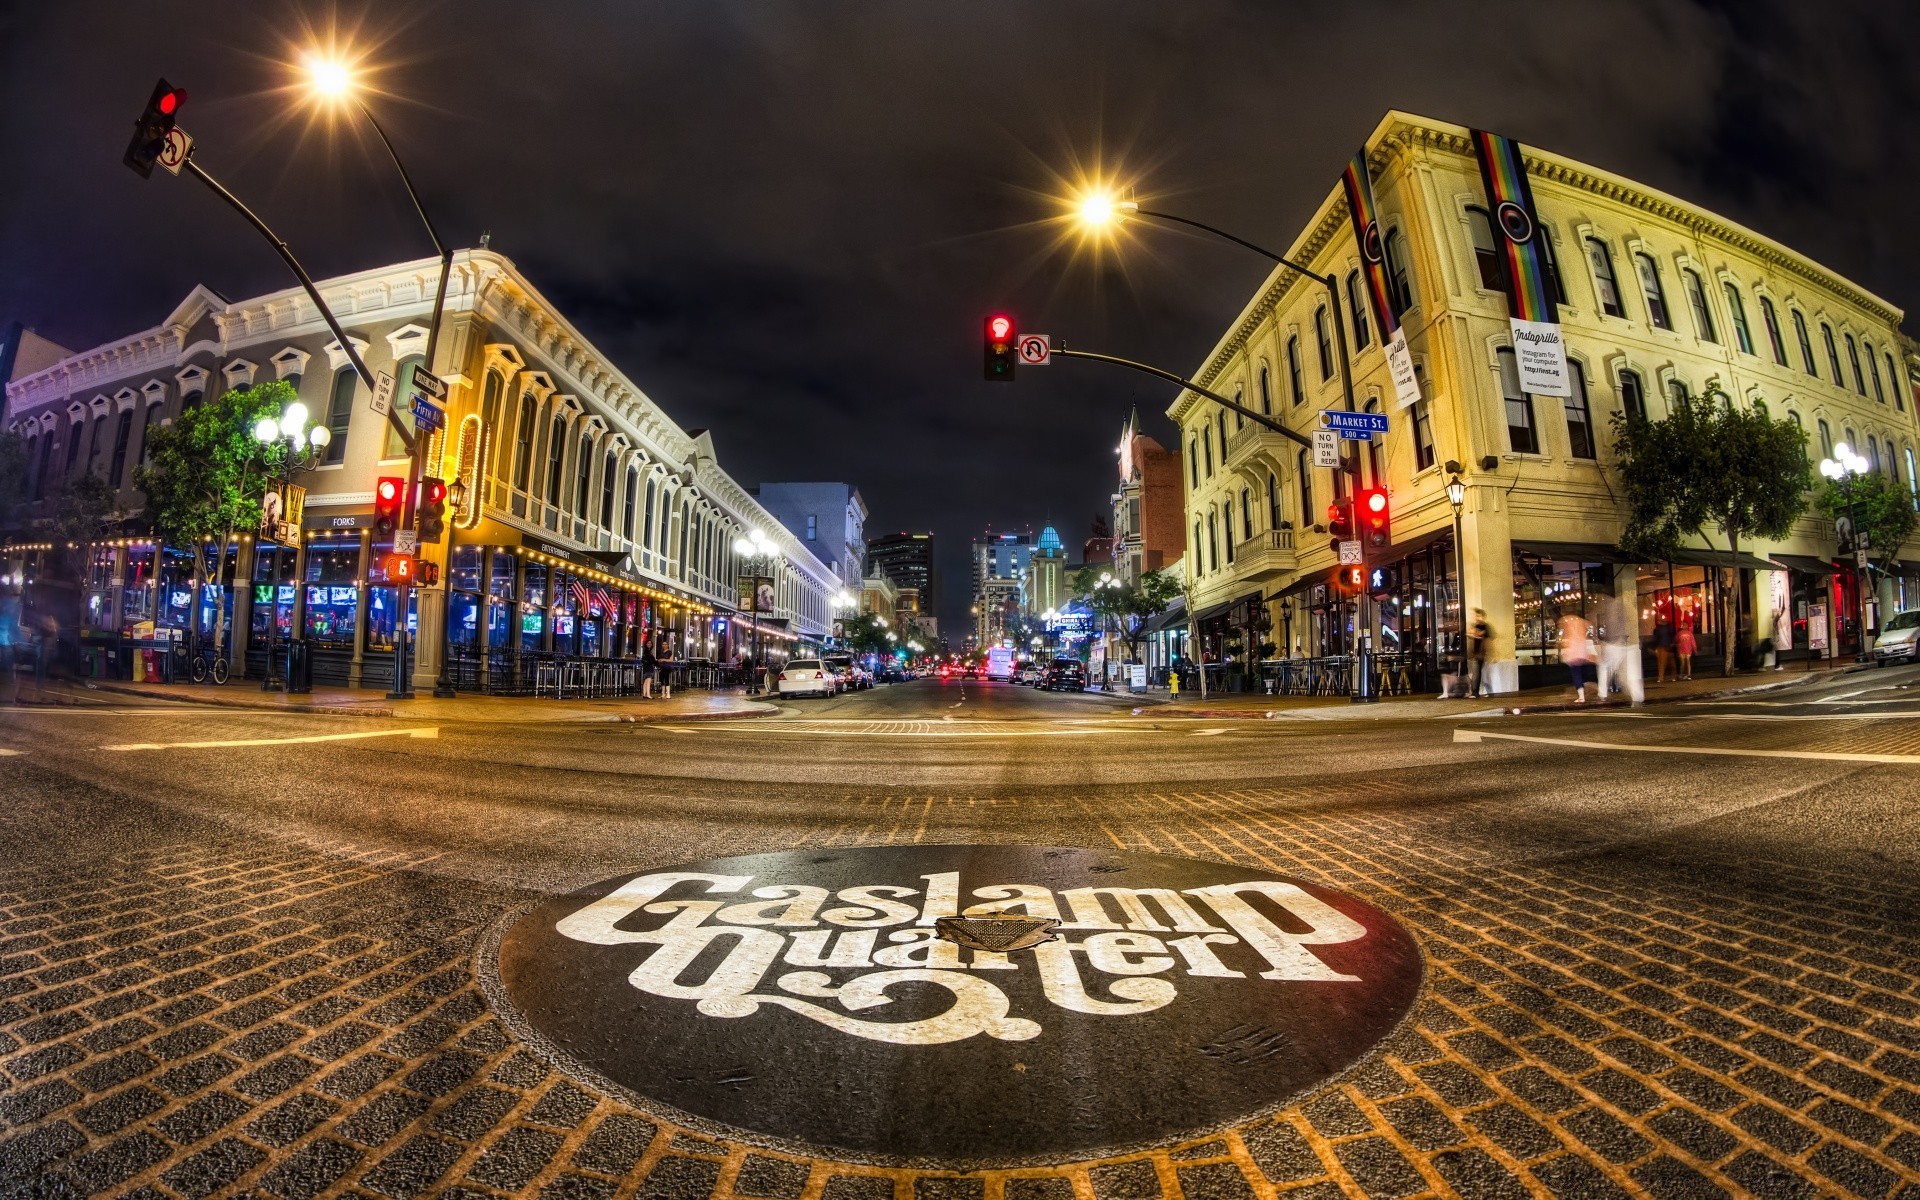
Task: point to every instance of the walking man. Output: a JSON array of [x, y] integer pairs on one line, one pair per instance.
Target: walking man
[[1620, 651], [1479, 644]]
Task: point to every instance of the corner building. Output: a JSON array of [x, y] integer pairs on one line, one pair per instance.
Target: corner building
[[1654, 296], [592, 524]]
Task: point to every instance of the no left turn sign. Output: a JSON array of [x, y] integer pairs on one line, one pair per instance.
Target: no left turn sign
[[1036, 350]]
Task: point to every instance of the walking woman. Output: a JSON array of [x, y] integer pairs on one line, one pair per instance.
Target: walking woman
[[1663, 641], [1684, 644], [1576, 650]]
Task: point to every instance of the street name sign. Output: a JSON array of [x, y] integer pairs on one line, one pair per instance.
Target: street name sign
[[1326, 448], [1018, 984], [1350, 554], [1036, 349], [430, 385], [427, 414], [174, 151], [1354, 426], [383, 394]]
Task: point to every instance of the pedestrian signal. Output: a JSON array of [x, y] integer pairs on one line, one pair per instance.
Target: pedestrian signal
[[1352, 580], [399, 568]]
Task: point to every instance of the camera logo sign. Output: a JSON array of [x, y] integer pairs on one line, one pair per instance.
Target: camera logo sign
[[773, 993]]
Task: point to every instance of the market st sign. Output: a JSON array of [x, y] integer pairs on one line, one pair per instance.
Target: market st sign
[[1168, 995]]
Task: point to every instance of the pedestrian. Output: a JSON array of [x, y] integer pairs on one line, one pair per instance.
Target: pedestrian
[[1684, 645], [665, 663], [1662, 648], [1619, 652], [1576, 651], [1479, 645], [649, 667]]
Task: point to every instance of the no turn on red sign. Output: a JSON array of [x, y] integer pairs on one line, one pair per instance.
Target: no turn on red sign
[[1036, 350]]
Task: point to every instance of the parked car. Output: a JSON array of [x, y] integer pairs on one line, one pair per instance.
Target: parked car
[[851, 675], [1027, 672], [1064, 675], [808, 677], [1899, 639]]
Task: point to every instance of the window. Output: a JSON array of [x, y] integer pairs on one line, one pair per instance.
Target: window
[[1873, 454], [1362, 333], [1373, 445], [633, 495], [1760, 406], [1913, 479], [340, 413], [1676, 392], [1853, 356], [146, 432], [1323, 342], [1399, 281], [1853, 439], [1806, 344], [76, 434], [1633, 396], [93, 442], [1226, 528], [1273, 500], [1213, 540], [1551, 262], [646, 516], [1193, 462], [1657, 314], [609, 471], [1304, 467], [1771, 320], [1223, 437], [1266, 390], [1826, 439], [123, 432], [490, 421], [1579, 415], [1246, 512], [1486, 250], [1893, 385], [46, 456], [813, 528], [1800, 428], [1833, 355], [583, 464], [1873, 371], [1206, 448], [1697, 300], [523, 449], [1605, 288], [1737, 313], [556, 458], [1239, 421], [1422, 436], [1521, 434], [1199, 560], [1293, 370]]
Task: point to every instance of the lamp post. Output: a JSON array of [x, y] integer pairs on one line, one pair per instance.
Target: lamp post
[[841, 603], [1843, 468], [1457, 496], [756, 553], [286, 445], [1101, 210]]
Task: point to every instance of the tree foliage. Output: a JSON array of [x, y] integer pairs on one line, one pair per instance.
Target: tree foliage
[[201, 479], [14, 468], [1129, 606], [1882, 512]]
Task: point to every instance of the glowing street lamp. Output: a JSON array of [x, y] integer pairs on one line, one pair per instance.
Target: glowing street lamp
[[1843, 468]]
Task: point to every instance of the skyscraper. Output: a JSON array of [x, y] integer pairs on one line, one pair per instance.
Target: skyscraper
[[906, 561]]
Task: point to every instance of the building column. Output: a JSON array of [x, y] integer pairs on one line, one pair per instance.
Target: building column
[[1488, 579], [297, 631], [240, 629], [483, 618], [516, 640], [356, 669]]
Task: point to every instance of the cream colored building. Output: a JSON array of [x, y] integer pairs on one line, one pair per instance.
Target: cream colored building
[[1655, 294]]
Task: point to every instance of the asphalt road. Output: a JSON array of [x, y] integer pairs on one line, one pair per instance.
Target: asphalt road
[[1668, 951]]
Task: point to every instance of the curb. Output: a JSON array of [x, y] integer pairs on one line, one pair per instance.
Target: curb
[[401, 714], [1773, 685]]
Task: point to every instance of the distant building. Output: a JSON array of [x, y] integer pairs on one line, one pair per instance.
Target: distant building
[[905, 559], [1048, 586], [24, 352], [1149, 529], [1001, 557], [999, 606], [830, 518], [1098, 548]]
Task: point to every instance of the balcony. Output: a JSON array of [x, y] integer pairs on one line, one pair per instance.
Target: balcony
[[1241, 445], [1264, 556]]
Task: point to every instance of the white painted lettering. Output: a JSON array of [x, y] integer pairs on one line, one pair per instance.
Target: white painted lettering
[[878, 911], [1286, 953], [787, 905]]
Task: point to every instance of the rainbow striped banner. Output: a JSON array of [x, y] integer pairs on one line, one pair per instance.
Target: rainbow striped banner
[[1538, 349], [1373, 264]]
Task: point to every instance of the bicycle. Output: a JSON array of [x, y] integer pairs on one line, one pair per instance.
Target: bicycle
[[201, 665]]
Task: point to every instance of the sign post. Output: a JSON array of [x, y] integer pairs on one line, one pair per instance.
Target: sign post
[[382, 402], [1354, 426], [1326, 449]]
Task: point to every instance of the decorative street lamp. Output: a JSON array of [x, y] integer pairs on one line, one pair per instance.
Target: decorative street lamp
[[1457, 496], [286, 445], [842, 603], [758, 555], [1843, 468]]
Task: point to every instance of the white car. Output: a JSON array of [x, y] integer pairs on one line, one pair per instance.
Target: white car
[[808, 677], [1897, 640]]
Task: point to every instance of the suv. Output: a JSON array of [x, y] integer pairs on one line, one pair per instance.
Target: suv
[[1899, 638], [1064, 675], [850, 675]]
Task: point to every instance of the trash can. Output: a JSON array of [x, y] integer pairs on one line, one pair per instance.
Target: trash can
[[299, 668]]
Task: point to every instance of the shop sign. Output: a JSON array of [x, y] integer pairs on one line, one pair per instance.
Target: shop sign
[[1817, 627], [768, 993], [544, 547]]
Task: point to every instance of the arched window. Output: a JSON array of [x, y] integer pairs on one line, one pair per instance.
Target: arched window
[[46, 460], [1873, 371], [1266, 390], [1213, 539], [1633, 395], [1226, 528], [1771, 319], [1358, 309], [1579, 415], [1826, 439], [1246, 512], [1853, 355], [1304, 467], [1223, 438], [1737, 313], [633, 498], [340, 413], [523, 448], [663, 540], [393, 447], [1606, 289], [1649, 273], [583, 465], [1399, 276], [1676, 392], [1323, 342], [1199, 560], [76, 434], [686, 533], [1293, 370], [1373, 445], [646, 517], [1273, 501], [1239, 422], [99, 425], [1873, 454], [1206, 447], [556, 457], [147, 427], [490, 420], [1913, 479], [1422, 435], [1522, 435], [1853, 439], [1806, 343], [1697, 300], [1486, 250], [1193, 461], [123, 433], [1893, 385], [1833, 355], [609, 471]]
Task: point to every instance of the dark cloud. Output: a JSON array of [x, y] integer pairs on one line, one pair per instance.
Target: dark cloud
[[786, 221]]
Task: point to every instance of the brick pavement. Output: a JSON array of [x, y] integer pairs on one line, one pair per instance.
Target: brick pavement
[[220, 1015]]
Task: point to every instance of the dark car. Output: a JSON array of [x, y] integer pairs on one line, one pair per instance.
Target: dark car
[[1064, 675]]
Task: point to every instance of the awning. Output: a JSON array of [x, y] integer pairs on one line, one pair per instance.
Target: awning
[[1212, 611], [1411, 546], [1584, 552], [1175, 614], [1721, 558], [1805, 564], [1310, 580]]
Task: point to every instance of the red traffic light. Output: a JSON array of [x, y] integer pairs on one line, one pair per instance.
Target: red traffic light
[[169, 102], [432, 491], [1376, 502], [1000, 328], [388, 490]]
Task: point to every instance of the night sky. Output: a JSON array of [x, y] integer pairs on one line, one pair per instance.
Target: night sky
[[786, 221]]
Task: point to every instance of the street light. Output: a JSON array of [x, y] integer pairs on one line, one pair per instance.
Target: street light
[[286, 445], [1457, 496], [1843, 468], [755, 552]]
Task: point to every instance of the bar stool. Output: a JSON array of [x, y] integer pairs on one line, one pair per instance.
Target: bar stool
[[573, 676], [546, 675]]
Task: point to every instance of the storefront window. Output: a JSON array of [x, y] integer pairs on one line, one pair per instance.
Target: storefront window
[[333, 602], [273, 593], [382, 603], [1544, 590]]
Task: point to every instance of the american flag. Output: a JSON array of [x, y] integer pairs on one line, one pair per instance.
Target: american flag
[[580, 597], [605, 602]]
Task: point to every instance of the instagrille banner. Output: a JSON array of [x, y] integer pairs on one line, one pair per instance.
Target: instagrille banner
[[1537, 347], [1366, 231]]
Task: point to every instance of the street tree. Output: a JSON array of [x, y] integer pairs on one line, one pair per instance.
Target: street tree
[[1128, 606], [1882, 511], [14, 467], [203, 479], [1708, 463]]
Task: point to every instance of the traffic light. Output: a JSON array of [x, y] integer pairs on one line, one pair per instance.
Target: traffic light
[[1351, 580], [389, 496], [1376, 518], [1340, 519], [1001, 356], [1382, 582], [399, 568], [430, 514], [151, 130]]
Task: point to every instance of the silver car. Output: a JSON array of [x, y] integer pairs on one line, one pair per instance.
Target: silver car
[[1897, 639]]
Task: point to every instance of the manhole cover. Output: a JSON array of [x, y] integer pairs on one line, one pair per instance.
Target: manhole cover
[[811, 998]]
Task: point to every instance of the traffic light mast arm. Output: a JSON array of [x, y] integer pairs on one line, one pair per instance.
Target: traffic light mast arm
[[1060, 351], [306, 281]]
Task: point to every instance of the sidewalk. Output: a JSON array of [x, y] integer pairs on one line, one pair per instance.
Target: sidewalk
[[1556, 698], [731, 704]]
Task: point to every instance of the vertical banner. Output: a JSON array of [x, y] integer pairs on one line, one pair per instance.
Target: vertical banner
[[1373, 264], [1537, 348]]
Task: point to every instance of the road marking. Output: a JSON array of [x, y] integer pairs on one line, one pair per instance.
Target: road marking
[[1206, 733], [432, 731], [4, 753], [1473, 735], [1645, 716]]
